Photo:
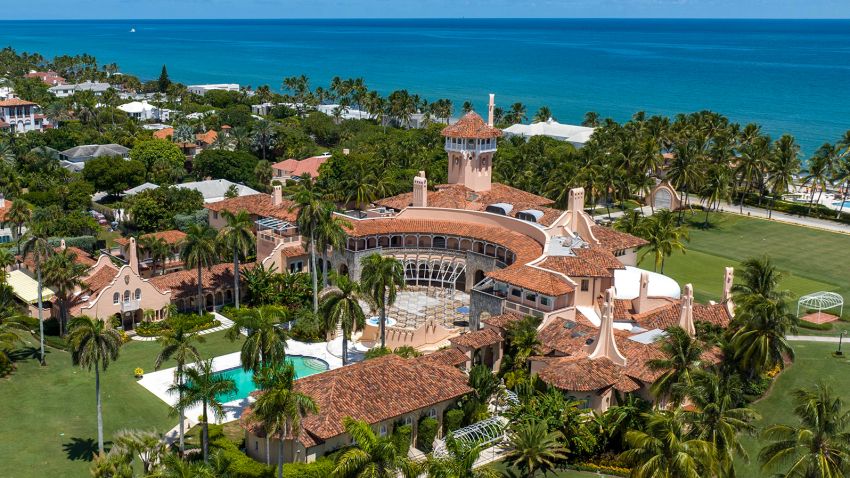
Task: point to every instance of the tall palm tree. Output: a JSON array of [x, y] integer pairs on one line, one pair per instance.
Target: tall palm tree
[[7, 259], [681, 360], [64, 275], [782, 167], [752, 163], [664, 237], [35, 244], [263, 136], [591, 119], [280, 409], [819, 171], [19, 214], [94, 344], [237, 236], [199, 250], [716, 188], [371, 456], [310, 213], [202, 386], [518, 113], [534, 448], [664, 449], [330, 234], [459, 462], [819, 445], [266, 342], [340, 307], [760, 343], [148, 446], [382, 278], [758, 280], [178, 343], [543, 114], [158, 248]]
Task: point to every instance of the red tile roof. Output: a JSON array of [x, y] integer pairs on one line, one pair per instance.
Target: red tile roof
[[614, 240], [163, 133], [534, 279], [296, 167], [502, 321], [477, 339], [172, 237], [185, 283], [590, 262], [582, 374], [207, 138], [257, 205], [471, 126], [448, 356], [16, 102], [668, 315], [81, 257]]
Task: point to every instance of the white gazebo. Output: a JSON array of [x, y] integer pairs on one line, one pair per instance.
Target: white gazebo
[[821, 301]]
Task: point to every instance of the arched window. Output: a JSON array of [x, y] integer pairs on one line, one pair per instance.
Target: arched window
[[126, 296], [383, 431], [116, 297], [432, 413], [138, 294]]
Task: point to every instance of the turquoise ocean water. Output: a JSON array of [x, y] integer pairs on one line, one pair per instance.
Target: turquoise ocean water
[[788, 75]]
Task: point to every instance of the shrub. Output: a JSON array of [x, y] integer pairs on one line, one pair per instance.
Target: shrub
[[195, 323], [6, 365], [812, 326], [426, 434], [376, 352], [453, 419], [138, 372], [401, 437], [307, 328], [243, 466]]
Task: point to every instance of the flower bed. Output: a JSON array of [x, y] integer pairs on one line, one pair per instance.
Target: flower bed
[[194, 323]]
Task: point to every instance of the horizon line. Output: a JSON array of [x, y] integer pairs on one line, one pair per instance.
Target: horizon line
[[422, 18]]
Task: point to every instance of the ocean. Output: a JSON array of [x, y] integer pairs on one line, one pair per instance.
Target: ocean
[[791, 76]]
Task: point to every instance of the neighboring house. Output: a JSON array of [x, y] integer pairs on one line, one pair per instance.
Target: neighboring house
[[202, 89], [6, 233], [172, 263], [295, 168], [144, 111], [345, 112], [6, 92], [384, 392], [50, 78], [66, 90], [213, 190], [575, 135], [202, 140], [21, 116], [76, 157]]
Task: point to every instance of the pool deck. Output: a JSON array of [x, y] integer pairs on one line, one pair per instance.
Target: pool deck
[[160, 381]]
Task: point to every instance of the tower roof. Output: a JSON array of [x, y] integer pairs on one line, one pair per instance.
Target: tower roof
[[471, 125]]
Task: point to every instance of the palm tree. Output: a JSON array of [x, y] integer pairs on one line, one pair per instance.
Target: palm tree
[[819, 170], [543, 114], [148, 446], [664, 237], [36, 244], [330, 234], [382, 278], [819, 446], [179, 344], [158, 248], [517, 113], [280, 409], [266, 342], [18, 215], [782, 167], [371, 456], [459, 462], [760, 344], [263, 136], [237, 236], [716, 188], [752, 162], [94, 343], [199, 250], [534, 448], [681, 360], [202, 386], [664, 449], [591, 119], [758, 280], [341, 308], [64, 275], [310, 213], [7, 259]]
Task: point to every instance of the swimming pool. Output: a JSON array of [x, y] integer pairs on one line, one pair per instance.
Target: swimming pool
[[304, 367], [838, 204]]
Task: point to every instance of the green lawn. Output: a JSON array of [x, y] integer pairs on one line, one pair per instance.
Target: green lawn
[[48, 414], [814, 361], [811, 259]]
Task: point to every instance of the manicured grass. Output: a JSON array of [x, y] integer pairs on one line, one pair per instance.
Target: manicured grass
[[49, 415], [814, 362], [811, 259], [108, 236]]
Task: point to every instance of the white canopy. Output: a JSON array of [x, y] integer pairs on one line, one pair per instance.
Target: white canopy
[[627, 284], [578, 135], [821, 301]]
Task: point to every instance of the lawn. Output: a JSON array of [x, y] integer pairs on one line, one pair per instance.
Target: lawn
[[814, 361], [49, 417], [812, 260]]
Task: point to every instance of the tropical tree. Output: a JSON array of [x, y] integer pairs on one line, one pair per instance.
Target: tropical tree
[[591, 119], [382, 278], [178, 343], [237, 236], [310, 214], [371, 456], [664, 237], [758, 280], [681, 360], [534, 448], [158, 249], [94, 344], [784, 164], [7, 259], [36, 245], [627, 414], [263, 136], [64, 275], [19, 214], [819, 171], [517, 113], [340, 307], [759, 343], [543, 114], [202, 386], [147, 446], [818, 446], [199, 250], [266, 342], [663, 449], [716, 188], [280, 409], [459, 462], [330, 234]]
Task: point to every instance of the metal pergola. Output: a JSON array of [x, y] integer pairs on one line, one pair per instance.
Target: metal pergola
[[821, 301], [483, 433]]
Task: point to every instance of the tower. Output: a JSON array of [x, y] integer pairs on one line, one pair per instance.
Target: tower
[[420, 190], [470, 145]]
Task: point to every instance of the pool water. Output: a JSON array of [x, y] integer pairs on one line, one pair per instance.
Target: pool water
[[838, 204], [304, 367]]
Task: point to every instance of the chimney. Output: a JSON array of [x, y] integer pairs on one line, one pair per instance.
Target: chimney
[[640, 304], [686, 316], [575, 200], [62, 244], [490, 109], [277, 195], [134, 256], [346, 151], [606, 346], [420, 190], [728, 280]]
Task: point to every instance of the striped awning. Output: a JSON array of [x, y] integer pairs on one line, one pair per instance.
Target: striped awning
[[26, 288]]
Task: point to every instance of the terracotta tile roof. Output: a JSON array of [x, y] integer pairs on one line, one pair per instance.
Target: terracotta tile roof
[[668, 315], [207, 138], [534, 279], [296, 167], [294, 250], [581, 374], [471, 125], [566, 337], [16, 102], [100, 278], [257, 205], [477, 339], [376, 390], [81, 257], [614, 240], [185, 283], [448, 356], [502, 321], [163, 133], [5, 210], [590, 262], [172, 237]]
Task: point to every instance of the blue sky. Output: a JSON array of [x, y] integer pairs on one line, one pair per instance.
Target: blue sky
[[100, 9]]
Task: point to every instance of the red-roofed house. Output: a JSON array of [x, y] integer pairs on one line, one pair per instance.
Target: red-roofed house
[[21, 116], [50, 78], [292, 168]]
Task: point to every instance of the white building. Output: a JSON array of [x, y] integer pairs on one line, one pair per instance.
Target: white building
[[576, 135], [143, 111], [202, 89], [64, 91], [213, 190], [6, 92], [21, 116]]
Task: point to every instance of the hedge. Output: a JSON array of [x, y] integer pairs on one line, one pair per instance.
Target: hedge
[[452, 419], [195, 323], [401, 438], [426, 434], [184, 221], [243, 466], [86, 243], [800, 209], [813, 326]]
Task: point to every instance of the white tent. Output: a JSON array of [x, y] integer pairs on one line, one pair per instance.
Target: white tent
[[577, 135]]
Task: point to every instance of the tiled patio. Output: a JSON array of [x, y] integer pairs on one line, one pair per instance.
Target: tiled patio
[[415, 305]]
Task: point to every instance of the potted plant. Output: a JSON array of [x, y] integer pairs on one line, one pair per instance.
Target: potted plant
[[138, 372]]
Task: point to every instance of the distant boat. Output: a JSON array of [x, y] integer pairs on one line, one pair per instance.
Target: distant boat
[[132, 30]]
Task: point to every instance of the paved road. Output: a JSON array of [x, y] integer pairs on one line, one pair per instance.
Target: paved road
[[814, 338]]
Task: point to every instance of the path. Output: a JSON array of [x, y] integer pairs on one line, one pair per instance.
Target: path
[[814, 338], [225, 324]]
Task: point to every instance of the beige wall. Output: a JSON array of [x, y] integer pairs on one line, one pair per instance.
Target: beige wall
[[427, 337], [103, 305]]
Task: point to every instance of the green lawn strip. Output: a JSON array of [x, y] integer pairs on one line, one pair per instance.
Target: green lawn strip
[[814, 362], [49, 414]]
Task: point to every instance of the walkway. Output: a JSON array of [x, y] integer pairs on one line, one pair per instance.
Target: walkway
[[815, 338], [225, 324]]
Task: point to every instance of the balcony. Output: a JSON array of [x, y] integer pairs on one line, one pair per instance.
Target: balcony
[[130, 305], [472, 146]]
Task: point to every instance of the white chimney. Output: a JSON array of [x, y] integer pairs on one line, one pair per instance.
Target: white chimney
[[490, 109], [686, 316], [728, 281], [62, 244], [641, 302], [277, 195], [606, 345], [420, 190], [133, 260]]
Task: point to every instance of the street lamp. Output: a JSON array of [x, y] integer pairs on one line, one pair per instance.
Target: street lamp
[[840, 338]]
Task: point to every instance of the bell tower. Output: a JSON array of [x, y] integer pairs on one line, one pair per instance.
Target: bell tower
[[470, 145]]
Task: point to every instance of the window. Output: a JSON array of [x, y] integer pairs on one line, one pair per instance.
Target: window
[[296, 266], [585, 285], [138, 294], [432, 413], [215, 214], [256, 445], [408, 421], [116, 297], [516, 292], [126, 296], [545, 301], [530, 296], [383, 431]]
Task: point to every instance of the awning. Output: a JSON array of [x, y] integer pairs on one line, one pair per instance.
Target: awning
[[26, 288]]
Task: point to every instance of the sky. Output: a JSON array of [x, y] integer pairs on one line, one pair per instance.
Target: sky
[[159, 9]]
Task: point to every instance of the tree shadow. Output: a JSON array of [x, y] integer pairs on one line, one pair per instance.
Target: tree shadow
[[84, 449], [24, 353]]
